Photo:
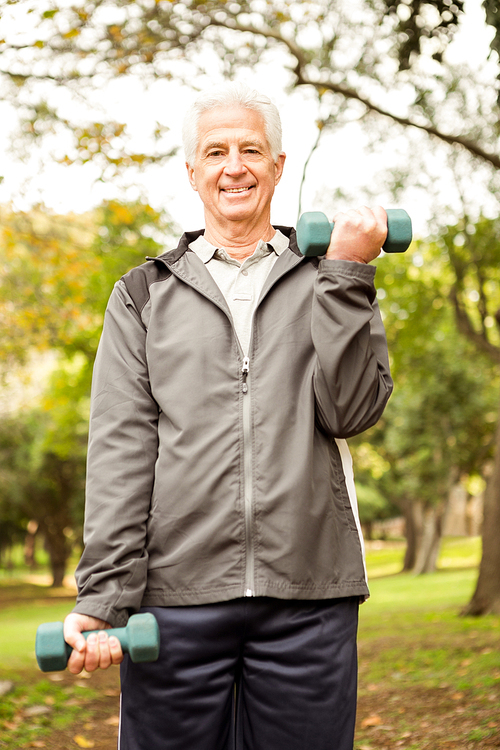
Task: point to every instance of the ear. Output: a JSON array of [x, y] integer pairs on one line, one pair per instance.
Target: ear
[[279, 165], [191, 176]]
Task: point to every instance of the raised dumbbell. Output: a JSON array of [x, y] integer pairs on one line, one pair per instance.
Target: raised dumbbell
[[314, 231], [140, 638]]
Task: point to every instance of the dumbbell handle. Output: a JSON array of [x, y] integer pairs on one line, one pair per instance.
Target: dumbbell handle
[[120, 633], [314, 230]]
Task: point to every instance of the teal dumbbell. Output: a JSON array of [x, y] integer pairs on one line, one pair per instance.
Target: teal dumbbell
[[140, 638], [314, 231]]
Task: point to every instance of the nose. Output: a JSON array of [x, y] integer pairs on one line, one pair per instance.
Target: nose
[[234, 166]]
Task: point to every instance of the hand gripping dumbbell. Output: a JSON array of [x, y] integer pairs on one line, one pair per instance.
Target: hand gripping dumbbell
[[140, 638], [314, 231]]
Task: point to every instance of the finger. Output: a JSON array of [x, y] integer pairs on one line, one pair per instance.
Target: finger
[[358, 234], [76, 661], [75, 639], [73, 634], [374, 222], [104, 652], [115, 650], [354, 219], [92, 653], [365, 218], [380, 214]]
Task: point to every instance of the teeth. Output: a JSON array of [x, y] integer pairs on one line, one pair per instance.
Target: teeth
[[236, 190]]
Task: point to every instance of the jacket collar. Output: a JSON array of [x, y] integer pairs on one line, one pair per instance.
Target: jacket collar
[[172, 256]]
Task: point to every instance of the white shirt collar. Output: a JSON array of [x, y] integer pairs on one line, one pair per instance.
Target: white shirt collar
[[205, 251]]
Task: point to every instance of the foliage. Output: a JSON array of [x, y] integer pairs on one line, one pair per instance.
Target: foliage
[[391, 72], [439, 424], [364, 62], [438, 430], [417, 24], [43, 476], [373, 506], [58, 274], [473, 253]]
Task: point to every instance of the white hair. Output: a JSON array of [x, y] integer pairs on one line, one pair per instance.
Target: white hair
[[230, 95]]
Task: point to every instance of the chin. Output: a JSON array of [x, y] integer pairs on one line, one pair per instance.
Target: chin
[[238, 214]]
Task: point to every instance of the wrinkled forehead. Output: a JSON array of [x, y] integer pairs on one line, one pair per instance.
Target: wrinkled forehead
[[223, 125]]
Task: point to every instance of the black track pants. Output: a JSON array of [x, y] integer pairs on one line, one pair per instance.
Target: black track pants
[[249, 674]]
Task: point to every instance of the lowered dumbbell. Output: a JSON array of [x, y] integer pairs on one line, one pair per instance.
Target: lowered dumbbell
[[314, 231], [140, 638]]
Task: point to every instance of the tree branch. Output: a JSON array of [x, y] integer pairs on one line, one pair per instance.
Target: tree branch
[[464, 325], [349, 93], [306, 163]]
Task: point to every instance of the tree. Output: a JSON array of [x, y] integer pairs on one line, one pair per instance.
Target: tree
[[373, 507], [471, 274], [360, 54], [42, 484], [438, 428], [391, 72], [58, 273], [473, 252]]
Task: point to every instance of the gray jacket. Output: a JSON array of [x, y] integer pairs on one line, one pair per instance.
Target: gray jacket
[[212, 476]]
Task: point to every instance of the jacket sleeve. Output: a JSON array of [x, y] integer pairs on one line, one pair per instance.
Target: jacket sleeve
[[352, 381], [123, 448]]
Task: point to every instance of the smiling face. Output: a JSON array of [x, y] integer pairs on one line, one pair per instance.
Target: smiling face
[[234, 171]]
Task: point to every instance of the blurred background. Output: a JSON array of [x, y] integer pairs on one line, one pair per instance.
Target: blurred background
[[382, 101]]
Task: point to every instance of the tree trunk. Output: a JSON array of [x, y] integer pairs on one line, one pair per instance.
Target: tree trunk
[[29, 545], [411, 534], [58, 549], [423, 531], [486, 597], [367, 528], [430, 541]]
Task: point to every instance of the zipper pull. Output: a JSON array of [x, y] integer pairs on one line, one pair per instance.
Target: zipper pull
[[244, 371]]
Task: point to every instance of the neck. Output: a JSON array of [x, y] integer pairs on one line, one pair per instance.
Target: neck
[[239, 241]]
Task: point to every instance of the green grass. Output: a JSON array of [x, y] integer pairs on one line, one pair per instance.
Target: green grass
[[32, 711], [461, 552], [24, 606], [444, 589], [416, 655], [429, 676], [63, 705], [386, 558], [18, 625], [38, 705]]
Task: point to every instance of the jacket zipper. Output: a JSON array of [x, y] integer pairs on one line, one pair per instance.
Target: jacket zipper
[[247, 480], [247, 451]]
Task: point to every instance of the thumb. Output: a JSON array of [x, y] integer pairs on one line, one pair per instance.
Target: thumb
[[73, 627], [79, 643]]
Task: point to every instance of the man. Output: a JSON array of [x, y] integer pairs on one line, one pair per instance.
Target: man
[[220, 493]]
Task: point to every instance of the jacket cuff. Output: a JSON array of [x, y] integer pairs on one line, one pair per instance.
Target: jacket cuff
[[116, 618], [348, 268]]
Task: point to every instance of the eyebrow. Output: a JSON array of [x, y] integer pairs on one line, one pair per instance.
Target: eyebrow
[[223, 144], [213, 144]]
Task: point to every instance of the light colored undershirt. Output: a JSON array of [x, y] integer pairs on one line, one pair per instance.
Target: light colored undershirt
[[241, 283]]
